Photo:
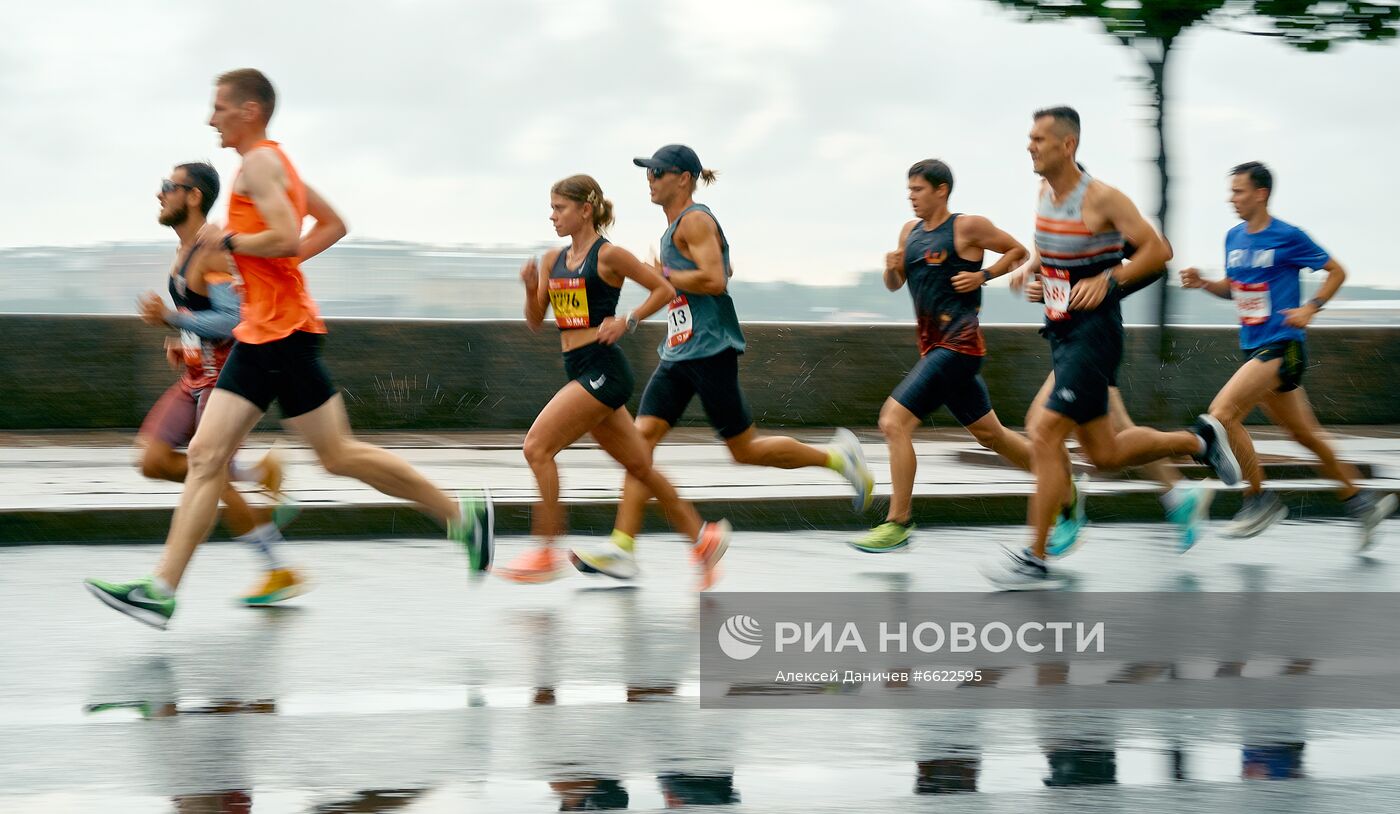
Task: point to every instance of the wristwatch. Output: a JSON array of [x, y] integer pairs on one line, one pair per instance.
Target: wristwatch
[[986, 276], [632, 323], [227, 242], [1316, 303]]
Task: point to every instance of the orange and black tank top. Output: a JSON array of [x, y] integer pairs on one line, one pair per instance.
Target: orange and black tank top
[[275, 300]]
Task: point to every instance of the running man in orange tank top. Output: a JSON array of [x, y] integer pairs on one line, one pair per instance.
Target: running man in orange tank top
[[277, 358]]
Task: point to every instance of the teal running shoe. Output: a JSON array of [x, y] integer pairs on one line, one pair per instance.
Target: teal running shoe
[[1065, 536], [1190, 514]]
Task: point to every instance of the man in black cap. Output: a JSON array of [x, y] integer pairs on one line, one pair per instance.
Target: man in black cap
[[700, 356]]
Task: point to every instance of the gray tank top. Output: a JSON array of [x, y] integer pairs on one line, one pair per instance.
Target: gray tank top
[[698, 325], [1070, 252]]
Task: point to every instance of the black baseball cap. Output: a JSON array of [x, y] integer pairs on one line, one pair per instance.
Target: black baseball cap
[[676, 157]]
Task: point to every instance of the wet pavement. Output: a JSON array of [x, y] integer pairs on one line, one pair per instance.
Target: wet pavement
[[399, 684]]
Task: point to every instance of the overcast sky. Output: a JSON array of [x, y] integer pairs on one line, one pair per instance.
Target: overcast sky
[[448, 121]]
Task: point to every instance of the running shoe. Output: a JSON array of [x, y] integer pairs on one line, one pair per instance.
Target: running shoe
[[853, 468], [279, 585], [1065, 536], [1217, 454], [888, 536], [1190, 513], [141, 600], [1370, 509], [1021, 571], [607, 558], [1257, 514], [475, 529], [535, 567], [709, 549]]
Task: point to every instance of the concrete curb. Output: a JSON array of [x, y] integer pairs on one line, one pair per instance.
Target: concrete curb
[[352, 521]]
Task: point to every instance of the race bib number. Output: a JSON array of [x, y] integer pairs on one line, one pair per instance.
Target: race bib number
[[569, 298], [679, 325], [1251, 302], [1056, 282]]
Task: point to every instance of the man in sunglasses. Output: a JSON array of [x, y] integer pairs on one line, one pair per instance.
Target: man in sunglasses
[[700, 357], [206, 311]]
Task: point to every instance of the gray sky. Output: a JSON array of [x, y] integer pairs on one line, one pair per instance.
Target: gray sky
[[447, 122]]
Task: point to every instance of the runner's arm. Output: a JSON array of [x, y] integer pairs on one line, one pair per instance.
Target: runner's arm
[[327, 231], [1336, 275], [894, 261], [1191, 278], [698, 237], [1152, 253], [263, 179], [216, 323], [1301, 316], [984, 234], [536, 280], [615, 258]]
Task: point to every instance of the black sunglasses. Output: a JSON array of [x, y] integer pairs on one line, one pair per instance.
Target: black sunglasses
[[168, 186], [653, 174]]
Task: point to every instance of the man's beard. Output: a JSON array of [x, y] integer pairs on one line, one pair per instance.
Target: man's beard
[[175, 218]]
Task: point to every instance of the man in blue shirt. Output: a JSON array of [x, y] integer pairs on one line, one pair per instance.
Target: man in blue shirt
[[1263, 256]]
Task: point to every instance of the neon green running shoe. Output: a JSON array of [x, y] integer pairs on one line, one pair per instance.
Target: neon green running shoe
[[141, 600], [888, 536], [475, 530]]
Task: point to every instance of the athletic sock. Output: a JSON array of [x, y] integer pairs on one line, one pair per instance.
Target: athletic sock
[[164, 587], [245, 474], [1175, 496], [624, 541], [835, 461], [265, 539]]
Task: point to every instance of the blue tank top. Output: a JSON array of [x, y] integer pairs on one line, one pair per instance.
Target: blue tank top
[[580, 297], [697, 325]]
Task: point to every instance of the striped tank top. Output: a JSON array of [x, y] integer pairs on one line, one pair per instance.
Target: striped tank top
[[1070, 252]]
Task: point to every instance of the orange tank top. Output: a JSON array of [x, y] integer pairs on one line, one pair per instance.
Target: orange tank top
[[275, 300]]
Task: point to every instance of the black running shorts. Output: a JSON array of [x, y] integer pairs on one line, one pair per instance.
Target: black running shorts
[[714, 378], [1295, 360], [944, 376], [1086, 364], [289, 371], [603, 371]]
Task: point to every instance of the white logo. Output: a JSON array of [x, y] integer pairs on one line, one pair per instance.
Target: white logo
[[1066, 394], [139, 596], [598, 382], [740, 637]]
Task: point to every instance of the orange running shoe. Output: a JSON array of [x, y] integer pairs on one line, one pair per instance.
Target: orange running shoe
[[709, 549], [535, 567]]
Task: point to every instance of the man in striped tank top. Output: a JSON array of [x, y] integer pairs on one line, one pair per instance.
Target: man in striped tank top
[[1081, 227]]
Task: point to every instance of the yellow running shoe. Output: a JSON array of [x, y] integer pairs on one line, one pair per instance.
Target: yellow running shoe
[[279, 585]]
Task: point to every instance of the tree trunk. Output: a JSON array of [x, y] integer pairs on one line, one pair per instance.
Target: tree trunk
[[1158, 66]]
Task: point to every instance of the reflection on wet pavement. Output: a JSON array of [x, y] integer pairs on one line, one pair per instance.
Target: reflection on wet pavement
[[563, 699]]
